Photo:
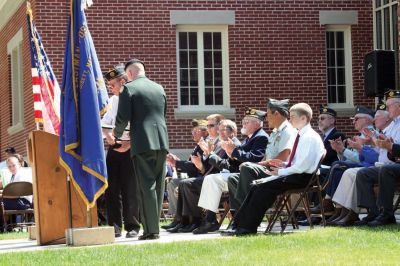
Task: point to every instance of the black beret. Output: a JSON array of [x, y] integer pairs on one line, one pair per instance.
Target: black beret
[[327, 111], [392, 94], [279, 104], [199, 123], [365, 110], [255, 113], [10, 150], [133, 61], [114, 73]]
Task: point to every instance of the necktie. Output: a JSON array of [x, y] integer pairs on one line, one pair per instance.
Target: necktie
[[12, 178], [293, 150]]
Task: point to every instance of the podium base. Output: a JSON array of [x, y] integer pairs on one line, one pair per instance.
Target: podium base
[[32, 232], [90, 236]]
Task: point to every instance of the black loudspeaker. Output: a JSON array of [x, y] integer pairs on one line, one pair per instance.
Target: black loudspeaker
[[379, 72]]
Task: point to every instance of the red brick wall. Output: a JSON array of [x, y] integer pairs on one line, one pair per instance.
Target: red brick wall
[[276, 49], [17, 140]]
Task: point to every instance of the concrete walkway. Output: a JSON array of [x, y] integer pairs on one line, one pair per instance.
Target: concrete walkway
[[20, 245]]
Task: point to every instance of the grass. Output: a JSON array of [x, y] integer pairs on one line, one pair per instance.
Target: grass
[[329, 246], [14, 235]]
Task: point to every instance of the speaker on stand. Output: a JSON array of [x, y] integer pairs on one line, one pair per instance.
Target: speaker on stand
[[379, 72]]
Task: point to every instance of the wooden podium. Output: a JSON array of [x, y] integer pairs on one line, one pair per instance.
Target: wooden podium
[[50, 192]]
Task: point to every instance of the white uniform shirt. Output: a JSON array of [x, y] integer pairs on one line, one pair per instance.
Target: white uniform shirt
[[108, 120], [281, 138], [391, 131], [308, 153]]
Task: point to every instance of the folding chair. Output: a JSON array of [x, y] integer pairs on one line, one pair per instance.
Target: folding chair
[[283, 203], [17, 189], [224, 211]]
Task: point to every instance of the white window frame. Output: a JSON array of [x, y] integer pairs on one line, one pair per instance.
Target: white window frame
[[382, 8], [190, 111], [14, 49], [349, 104]]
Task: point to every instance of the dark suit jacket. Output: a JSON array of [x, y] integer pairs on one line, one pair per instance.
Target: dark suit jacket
[[186, 166], [331, 154], [143, 103], [395, 152], [252, 149]]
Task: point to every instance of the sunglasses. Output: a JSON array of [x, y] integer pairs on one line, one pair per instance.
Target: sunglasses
[[210, 125]]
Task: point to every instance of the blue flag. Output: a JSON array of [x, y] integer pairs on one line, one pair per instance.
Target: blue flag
[[83, 99]]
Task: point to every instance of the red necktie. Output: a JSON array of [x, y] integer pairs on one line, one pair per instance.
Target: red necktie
[[293, 150]]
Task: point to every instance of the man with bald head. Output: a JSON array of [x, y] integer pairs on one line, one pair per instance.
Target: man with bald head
[[143, 103]]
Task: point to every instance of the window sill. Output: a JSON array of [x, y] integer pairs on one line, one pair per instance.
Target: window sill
[[15, 128], [343, 110], [190, 112]]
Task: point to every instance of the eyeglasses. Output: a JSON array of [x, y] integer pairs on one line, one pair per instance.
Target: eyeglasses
[[357, 118], [210, 125]]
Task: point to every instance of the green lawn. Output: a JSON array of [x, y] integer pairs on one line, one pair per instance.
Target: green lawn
[[329, 246]]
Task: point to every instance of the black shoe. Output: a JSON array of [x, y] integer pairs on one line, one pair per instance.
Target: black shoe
[[206, 227], [170, 225], [315, 221], [383, 219], [364, 221], [188, 229], [117, 231], [149, 236], [131, 234], [238, 232], [232, 226], [175, 229]]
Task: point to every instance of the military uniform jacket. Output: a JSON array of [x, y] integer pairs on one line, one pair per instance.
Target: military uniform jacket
[[143, 103]]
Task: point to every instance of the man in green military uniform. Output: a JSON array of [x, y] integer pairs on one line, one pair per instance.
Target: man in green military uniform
[[143, 103]]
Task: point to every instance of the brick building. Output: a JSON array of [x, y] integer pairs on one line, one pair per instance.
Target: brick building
[[211, 56]]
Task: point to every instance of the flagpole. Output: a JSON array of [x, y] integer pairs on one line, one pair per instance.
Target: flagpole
[[70, 207]]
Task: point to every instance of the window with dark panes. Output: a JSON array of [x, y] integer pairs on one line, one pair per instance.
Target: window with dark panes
[[336, 66], [201, 80]]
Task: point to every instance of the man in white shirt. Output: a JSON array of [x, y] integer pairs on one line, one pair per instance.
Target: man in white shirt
[[305, 155], [122, 194], [18, 174]]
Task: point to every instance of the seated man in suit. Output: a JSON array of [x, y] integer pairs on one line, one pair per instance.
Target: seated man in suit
[[18, 174], [188, 215], [306, 153], [280, 143], [368, 177], [199, 131]]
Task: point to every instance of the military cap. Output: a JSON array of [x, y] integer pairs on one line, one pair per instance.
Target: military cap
[[251, 112], [327, 111], [10, 150], [114, 73], [279, 104], [365, 110], [381, 106], [199, 123], [392, 94], [134, 61]]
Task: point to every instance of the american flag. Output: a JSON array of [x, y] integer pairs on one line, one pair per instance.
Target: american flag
[[46, 91]]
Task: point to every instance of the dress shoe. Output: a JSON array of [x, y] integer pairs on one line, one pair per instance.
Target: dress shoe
[[335, 215], [348, 220], [343, 214], [206, 227], [117, 231], [326, 203], [383, 219], [176, 228], [188, 228], [238, 232], [149, 236], [364, 221], [131, 234], [314, 220], [170, 225]]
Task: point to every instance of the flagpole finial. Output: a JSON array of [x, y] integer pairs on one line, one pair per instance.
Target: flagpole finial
[[28, 8]]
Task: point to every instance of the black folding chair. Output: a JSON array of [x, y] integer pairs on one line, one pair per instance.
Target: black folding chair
[[283, 204]]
